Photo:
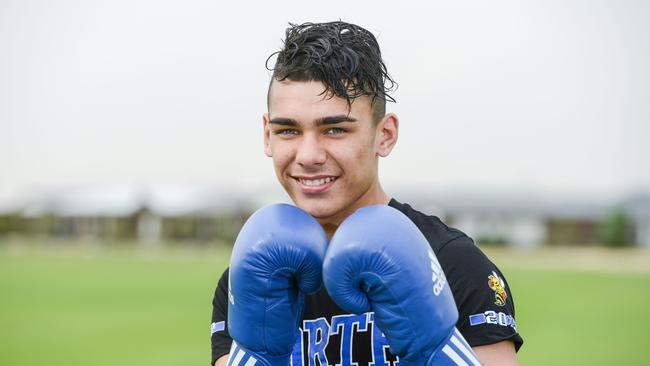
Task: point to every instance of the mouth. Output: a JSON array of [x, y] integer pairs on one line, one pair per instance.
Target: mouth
[[315, 184]]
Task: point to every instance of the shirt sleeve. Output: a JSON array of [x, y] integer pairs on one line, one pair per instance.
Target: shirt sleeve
[[485, 304], [220, 338]]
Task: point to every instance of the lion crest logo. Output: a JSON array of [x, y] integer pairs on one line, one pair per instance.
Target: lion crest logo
[[497, 285]]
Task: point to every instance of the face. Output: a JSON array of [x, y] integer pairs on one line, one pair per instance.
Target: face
[[325, 154]]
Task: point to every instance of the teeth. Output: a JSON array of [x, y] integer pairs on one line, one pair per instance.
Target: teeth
[[316, 182]]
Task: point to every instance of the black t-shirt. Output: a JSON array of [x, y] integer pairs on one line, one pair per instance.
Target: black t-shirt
[[331, 336]]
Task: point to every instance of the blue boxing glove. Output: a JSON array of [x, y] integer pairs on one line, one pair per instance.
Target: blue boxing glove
[[277, 258], [378, 260]]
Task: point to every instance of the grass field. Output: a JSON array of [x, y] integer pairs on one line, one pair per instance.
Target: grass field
[[72, 304]]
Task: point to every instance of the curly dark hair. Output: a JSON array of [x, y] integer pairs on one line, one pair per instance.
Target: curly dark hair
[[343, 56]]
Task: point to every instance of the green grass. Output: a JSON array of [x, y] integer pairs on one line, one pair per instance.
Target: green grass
[[581, 318], [114, 307], [71, 305]]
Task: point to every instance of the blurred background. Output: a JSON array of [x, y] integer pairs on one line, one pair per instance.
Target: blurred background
[[131, 154]]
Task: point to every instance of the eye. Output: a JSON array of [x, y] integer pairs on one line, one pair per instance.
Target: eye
[[335, 131], [287, 131]]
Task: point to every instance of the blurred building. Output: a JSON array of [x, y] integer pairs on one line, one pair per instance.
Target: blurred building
[[204, 214], [528, 220], [639, 209], [151, 216]]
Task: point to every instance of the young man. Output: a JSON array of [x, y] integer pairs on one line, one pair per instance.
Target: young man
[[325, 129]]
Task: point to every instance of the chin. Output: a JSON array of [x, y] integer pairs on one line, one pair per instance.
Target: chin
[[319, 209]]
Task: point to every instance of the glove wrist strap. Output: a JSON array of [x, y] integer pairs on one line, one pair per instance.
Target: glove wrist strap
[[241, 356], [454, 351]]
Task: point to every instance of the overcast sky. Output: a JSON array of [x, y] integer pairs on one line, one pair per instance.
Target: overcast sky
[[534, 95]]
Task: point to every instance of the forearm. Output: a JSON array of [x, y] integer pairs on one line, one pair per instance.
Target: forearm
[[221, 361], [497, 354]]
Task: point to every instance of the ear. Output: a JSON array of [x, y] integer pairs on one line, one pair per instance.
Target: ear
[[387, 132], [267, 135]]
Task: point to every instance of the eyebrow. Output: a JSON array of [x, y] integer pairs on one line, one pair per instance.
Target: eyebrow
[[323, 121], [332, 120], [282, 121]]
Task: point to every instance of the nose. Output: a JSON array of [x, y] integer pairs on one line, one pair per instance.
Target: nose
[[310, 152]]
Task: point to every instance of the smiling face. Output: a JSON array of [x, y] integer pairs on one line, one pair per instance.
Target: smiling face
[[325, 154]]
